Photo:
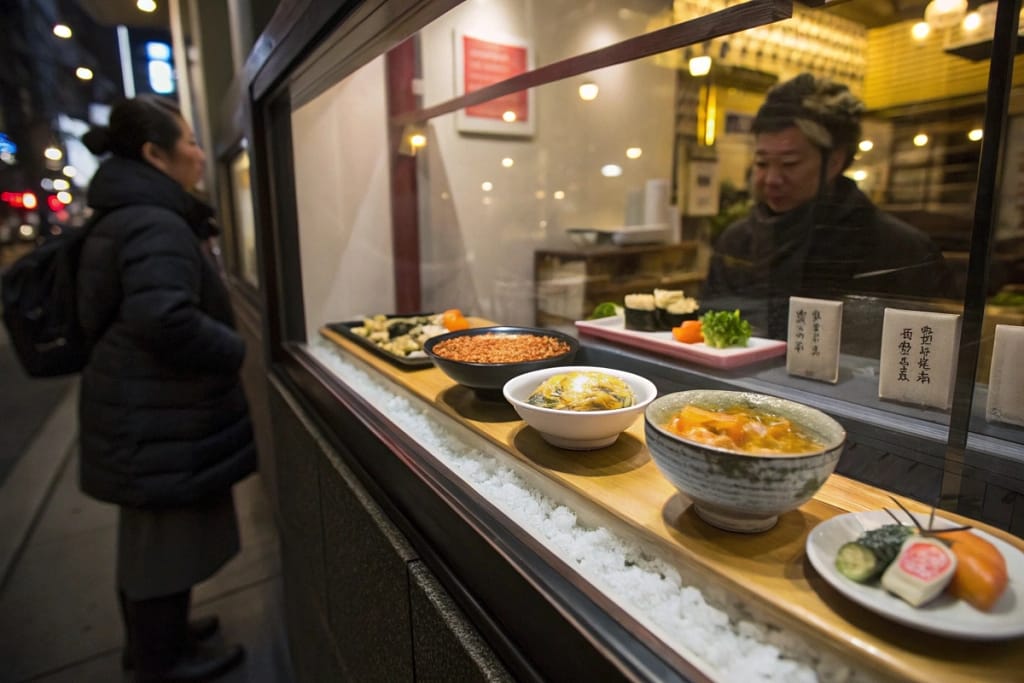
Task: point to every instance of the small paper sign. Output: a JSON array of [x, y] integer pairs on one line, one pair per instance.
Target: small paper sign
[[918, 359], [1006, 379], [815, 327]]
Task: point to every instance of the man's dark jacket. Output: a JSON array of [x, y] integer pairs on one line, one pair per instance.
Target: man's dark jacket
[[842, 245], [163, 418]]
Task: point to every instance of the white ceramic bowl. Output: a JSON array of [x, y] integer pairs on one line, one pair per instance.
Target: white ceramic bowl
[[737, 491], [577, 430]]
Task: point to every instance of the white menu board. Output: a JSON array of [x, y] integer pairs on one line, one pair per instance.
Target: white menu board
[[815, 327], [1006, 379], [918, 360]]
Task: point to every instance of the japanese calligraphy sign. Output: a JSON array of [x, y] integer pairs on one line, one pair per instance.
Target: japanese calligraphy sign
[[918, 360], [815, 327], [1006, 379]]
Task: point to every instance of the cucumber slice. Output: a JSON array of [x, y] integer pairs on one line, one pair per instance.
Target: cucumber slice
[[857, 562]]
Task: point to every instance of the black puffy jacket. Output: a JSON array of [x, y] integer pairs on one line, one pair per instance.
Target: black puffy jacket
[[162, 415]]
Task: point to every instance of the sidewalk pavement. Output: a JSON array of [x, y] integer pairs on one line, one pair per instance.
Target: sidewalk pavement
[[58, 606]]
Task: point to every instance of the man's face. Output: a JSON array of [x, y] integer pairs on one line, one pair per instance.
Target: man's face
[[787, 169]]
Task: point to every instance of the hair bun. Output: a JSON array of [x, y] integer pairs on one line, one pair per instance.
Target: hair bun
[[97, 140]]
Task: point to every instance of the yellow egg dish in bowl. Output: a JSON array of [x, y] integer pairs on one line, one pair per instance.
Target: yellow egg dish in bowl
[[579, 407]]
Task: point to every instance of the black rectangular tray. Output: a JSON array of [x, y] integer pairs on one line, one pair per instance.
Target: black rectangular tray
[[345, 330]]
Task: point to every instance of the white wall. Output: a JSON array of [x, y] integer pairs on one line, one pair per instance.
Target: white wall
[[343, 196], [478, 246]]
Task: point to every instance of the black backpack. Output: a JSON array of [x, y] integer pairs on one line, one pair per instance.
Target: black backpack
[[39, 295]]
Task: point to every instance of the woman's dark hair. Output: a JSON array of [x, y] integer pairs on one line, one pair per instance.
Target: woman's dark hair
[[826, 111], [133, 123]]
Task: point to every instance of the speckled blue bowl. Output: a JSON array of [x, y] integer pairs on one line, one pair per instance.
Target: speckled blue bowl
[[736, 491]]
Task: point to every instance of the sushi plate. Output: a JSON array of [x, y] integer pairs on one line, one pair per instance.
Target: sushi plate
[[613, 328], [945, 615]]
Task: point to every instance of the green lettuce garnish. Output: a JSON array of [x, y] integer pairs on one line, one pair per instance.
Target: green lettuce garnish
[[724, 328], [605, 309]]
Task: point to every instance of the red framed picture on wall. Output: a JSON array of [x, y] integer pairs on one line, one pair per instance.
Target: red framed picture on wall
[[481, 61]]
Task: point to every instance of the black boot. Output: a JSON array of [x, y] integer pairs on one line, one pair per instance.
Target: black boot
[[157, 630], [202, 664], [199, 630]]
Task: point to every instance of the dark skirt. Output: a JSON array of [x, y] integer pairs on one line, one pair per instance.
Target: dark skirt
[[165, 551]]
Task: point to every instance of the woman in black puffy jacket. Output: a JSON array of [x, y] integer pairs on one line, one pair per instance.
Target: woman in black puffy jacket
[[164, 424]]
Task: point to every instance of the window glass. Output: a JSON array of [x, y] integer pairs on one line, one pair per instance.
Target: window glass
[[535, 207], [498, 40]]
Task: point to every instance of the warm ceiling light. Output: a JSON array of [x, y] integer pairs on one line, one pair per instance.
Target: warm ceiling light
[[859, 175], [975, 134], [920, 140], [971, 22], [588, 91], [611, 170], [700, 66], [84, 73], [62, 30], [146, 5], [945, 13], [633, 152], [417, 140], [509, 116], [920, 30], [559, 194], [508, 162], [866, 145], [487, 186]]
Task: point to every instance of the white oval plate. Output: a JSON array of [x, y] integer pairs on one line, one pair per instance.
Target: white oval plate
[[945, 615]]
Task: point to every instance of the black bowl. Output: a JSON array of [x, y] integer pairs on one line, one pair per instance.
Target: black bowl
[[488, 379]]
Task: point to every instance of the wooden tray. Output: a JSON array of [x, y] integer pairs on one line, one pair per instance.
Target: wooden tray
[[613, 329]]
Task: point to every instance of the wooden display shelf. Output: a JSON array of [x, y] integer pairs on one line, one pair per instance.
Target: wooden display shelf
[[769, 571]]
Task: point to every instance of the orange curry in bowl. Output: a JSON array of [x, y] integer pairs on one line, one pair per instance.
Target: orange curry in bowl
[[744, 430]]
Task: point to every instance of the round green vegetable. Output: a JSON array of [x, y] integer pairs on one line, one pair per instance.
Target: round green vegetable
[[857, 562]]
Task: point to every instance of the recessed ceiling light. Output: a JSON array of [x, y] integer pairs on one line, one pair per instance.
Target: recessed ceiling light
[[611, 170], [588, 91]]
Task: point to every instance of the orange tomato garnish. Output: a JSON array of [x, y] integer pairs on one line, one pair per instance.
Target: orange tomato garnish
[[689, 332], [980, 576], [453, 320]]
